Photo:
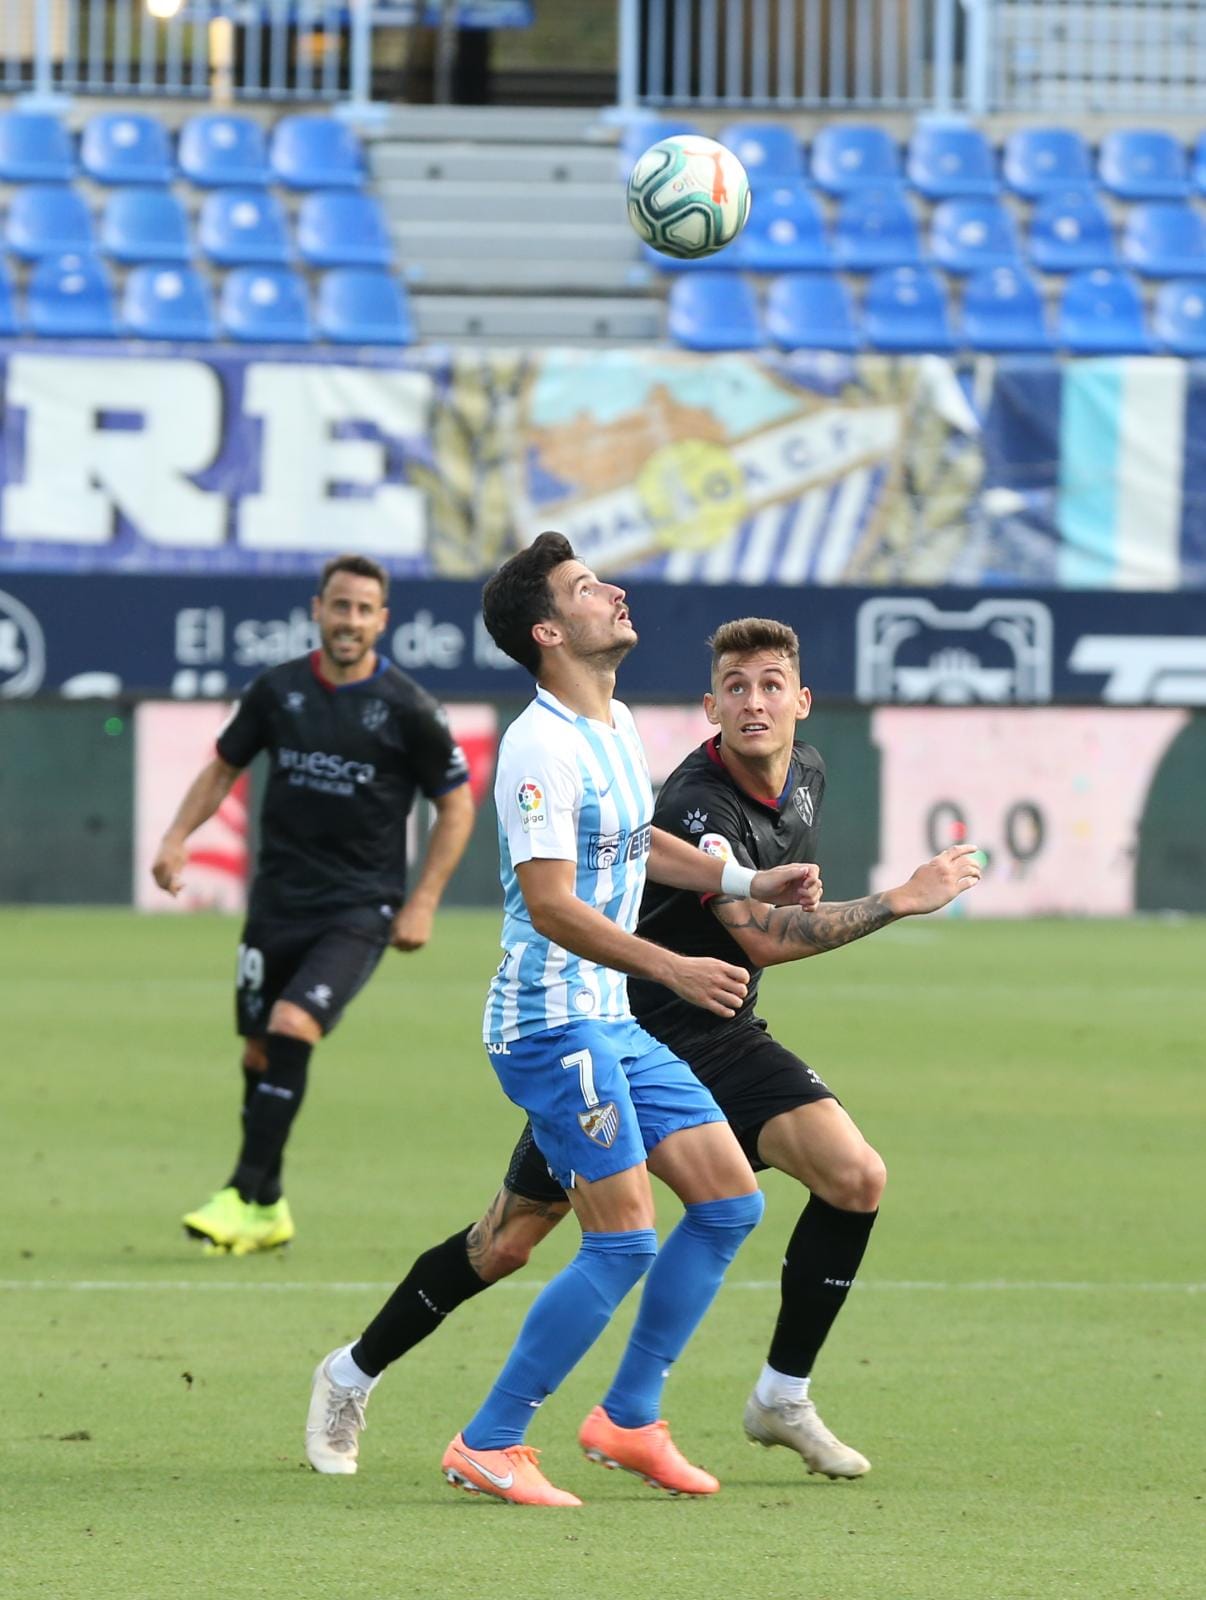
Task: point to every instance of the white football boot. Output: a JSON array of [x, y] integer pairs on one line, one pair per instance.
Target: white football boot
[[334, 1423], [795, 1423]]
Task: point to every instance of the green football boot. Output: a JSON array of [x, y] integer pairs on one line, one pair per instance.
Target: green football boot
[[265, 1228], [221, 1221]]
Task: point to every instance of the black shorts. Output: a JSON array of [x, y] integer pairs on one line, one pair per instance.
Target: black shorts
[[752, 1077], [319, 964]]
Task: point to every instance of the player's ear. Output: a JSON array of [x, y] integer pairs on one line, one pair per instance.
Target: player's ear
[[384, 621], [315, 602], [803, 703], [546, 633], [710, 709]]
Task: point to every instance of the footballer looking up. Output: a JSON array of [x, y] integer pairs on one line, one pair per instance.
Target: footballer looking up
[[350, 740]]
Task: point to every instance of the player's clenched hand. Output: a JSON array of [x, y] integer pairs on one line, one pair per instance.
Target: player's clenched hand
[[168, 865], [937, 881], [412, 926], [714, 985], [795, 885]]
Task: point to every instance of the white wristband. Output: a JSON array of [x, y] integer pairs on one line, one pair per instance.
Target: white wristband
[[737, 880]]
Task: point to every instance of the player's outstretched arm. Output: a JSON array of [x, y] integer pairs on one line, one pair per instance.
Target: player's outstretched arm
[[770, 935], [680, 865], [445, 847], [205, 794]]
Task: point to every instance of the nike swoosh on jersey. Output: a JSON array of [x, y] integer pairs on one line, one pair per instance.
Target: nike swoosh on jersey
[[495, 1479]]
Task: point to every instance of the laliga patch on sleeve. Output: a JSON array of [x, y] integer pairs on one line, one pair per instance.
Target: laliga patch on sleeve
[[533, 813], [715, 844]]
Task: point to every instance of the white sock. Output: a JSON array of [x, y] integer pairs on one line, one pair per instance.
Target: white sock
[[346, 1373], [775, 1387]]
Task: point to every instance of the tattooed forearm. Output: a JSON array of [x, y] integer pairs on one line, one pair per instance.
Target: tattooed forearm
[[799, 932]]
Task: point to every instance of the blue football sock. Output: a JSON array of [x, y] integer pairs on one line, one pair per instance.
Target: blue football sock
[[566, 1318], [680, 1288]]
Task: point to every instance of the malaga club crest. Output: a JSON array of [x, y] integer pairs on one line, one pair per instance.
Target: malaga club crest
[[601, 1124]]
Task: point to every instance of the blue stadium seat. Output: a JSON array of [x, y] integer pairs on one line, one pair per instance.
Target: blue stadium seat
[[357, 305], [1070, 232], [8, 310], [1042, 161], [69, 296], [339, 228], [1102, 313], [811, 311], [876, 228], [34, 148], [951, 160], [785, 233], [905, 310], [1143, 164], [316, 153], [973, 236], [221, 150], [1003, 310], [145, 225], [714, 311], [267, 305], [123, 147], [1179, 319], [47, 219], [645, 130], [768, 151], [167, 303], [1199, 164], [1165, 239], [244, 228], [854, 155]]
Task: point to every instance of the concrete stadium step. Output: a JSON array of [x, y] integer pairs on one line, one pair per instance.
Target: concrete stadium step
[[506, 124], [475, 274], [538, 204], [510, 241], [537, 319], [514, 163]]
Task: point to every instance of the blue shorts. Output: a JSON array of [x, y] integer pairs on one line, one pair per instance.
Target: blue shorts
[[600, 1095]]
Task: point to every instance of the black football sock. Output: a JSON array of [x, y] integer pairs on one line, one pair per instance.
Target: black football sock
[[439, 1281], [822, 1258], [270, 1189], [269, 1113]]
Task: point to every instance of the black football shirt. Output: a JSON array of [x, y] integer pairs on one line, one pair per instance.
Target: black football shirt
[[702, 803], [345, 762]]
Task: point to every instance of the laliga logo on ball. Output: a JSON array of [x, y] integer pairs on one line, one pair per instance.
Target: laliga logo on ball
[[688, 196]]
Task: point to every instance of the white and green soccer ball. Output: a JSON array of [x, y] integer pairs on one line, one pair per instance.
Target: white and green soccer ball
[[688, 196]]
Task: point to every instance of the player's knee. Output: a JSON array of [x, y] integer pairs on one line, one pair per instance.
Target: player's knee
[[506, 1253], [860, 1185], [295, 1023], [255, 1058], [728, 1221]]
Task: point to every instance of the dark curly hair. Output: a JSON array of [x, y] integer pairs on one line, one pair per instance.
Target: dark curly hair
[[518, 596]]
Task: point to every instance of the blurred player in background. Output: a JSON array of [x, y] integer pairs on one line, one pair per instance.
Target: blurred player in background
[[609, 1104], [752, 794], [350, 739]]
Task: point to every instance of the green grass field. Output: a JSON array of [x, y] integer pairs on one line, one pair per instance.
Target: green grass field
[[1023, 1359]]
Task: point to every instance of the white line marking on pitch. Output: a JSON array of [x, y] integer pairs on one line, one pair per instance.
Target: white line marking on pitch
[[532, 1286]]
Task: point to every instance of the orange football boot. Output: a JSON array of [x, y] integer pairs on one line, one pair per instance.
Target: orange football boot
[[510, 1475], [649, 1452]]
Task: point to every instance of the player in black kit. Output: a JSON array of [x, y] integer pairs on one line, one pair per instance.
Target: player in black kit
[[350, 740], [753, 792]]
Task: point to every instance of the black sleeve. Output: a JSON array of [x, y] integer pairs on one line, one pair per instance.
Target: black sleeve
[[704, 814], [248, 729], [436, 761]]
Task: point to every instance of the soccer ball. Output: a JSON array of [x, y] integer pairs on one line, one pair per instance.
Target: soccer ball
[[688, 196]]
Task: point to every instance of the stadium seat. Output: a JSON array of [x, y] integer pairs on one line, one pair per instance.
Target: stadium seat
[[973, 236], [8, 310], [876, 228], [34, 148], [69, 296], [266, 304], [811, 311], [47, 219], [1102, 313], [311, 152], [123, 147], [1070, 232], [645, 130], [221, 150], [951, 160], [1003, 311], [338, 228], [357, 305], [1042, 161], [1179, 319], [905, 310], [1165, 239], [854, 155], [785, 233], [167, 303], [145, 225], [1143, 164], [714, 311], [768, 151], [1199, 164], [244, 228]]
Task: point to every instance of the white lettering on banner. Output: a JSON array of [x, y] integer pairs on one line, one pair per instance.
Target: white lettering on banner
[[78, 474], [302, 460], [199, 635], [22, 649], [424, 642], [1157, 670], [944, 651], [267, 644]]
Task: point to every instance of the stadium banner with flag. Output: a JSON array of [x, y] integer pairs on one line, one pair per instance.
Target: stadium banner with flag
[[661, 466]]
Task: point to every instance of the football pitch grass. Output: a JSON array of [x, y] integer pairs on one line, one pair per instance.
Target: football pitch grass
[[1022, 1360]]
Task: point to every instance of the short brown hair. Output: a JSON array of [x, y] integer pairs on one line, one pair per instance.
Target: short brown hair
[[359, 567], [747, 635]]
